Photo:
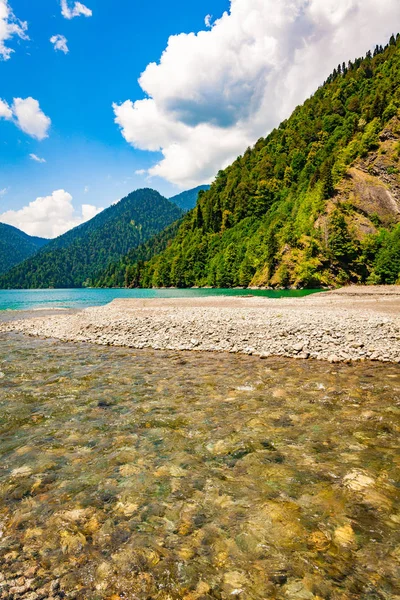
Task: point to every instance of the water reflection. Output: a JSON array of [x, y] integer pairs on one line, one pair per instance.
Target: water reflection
[[143, 474]]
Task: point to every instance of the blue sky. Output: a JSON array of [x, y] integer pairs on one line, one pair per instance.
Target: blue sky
[[107, 53], [208, 88]]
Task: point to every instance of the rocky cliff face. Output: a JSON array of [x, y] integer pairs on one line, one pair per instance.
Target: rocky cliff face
[[368, 198], [372, 185]]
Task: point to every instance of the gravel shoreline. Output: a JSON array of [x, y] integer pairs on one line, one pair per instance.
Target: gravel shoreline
[[350, 324]]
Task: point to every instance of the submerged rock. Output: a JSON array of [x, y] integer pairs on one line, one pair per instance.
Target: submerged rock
[[23, 471], [297, 591], [358, 480], [345, 536]]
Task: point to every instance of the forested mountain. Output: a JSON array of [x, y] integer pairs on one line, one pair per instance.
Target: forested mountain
[[187, 200], [16, 246], [75, 257], [317, 202]]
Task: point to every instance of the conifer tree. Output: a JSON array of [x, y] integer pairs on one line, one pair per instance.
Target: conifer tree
[[199, 217], [328, 189]]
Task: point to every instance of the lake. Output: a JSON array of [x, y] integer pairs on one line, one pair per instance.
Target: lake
[[81, 298]]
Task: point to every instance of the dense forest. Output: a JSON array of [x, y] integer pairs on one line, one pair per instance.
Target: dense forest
[[16, 246], [74, 258], [315, 203]]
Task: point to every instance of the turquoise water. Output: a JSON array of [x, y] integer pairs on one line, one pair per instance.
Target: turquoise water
[[81, 298]]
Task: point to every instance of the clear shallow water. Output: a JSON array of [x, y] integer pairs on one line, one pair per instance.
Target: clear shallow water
[[159, 475], [81, 298]]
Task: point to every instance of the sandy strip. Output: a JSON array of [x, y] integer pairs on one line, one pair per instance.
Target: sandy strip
[[350, 324]]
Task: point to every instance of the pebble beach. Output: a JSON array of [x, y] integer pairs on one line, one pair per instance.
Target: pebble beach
[[350, 324]]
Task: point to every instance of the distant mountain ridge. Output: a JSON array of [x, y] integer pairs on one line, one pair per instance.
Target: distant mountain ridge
[[72, 259], [187, 200], [16, 246]]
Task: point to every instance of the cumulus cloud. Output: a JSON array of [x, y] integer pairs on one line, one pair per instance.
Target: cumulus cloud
[[60, 43], [37, 158], [27, 115], [77, 10], [30, 118], [49, 216], [5, 110], [10, 27], [215, 92]]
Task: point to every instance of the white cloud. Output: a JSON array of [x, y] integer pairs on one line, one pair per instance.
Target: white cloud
[[37, 158], [86, 189], [5, 110], [49, 216], [10, 27], [60, 43], [214, 93], [4, 191], [77, 10], [208, 20], [141, 172], [30, 118], [27, 115]]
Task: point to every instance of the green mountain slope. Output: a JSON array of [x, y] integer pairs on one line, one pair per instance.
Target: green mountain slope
[[16, 246], [317, 202], [75, 257], [187, 200]]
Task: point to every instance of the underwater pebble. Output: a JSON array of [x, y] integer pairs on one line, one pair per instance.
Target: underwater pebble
[[357, 480], [344, 536], [24, 471]]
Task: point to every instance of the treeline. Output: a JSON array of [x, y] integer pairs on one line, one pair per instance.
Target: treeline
[[272, 217]]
